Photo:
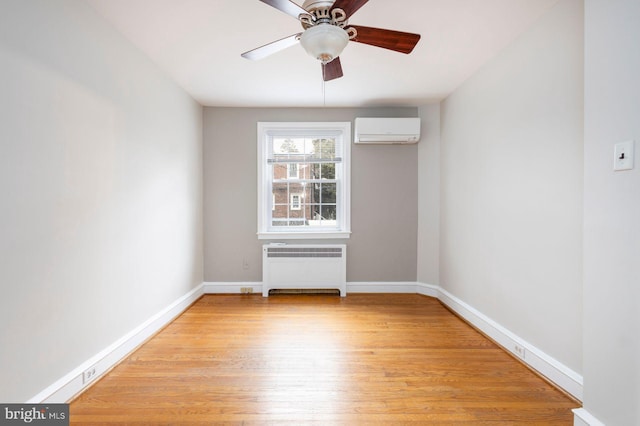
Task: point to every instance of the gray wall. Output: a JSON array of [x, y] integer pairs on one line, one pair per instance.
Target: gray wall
[[101, 183], [612, 213], [428, 268], [384, 207], [511, 186]]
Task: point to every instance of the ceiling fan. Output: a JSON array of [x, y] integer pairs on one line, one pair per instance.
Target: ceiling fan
[[327, 32]]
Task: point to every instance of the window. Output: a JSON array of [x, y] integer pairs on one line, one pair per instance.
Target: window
[[303, 174], [295, 202], [292, 171]]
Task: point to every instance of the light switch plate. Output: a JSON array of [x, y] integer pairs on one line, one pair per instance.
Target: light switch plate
[[623, 156]]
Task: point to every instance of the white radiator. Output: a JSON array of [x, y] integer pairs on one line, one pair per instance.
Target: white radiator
[[304, 267]]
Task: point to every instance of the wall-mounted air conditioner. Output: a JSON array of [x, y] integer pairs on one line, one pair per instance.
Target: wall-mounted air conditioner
[[387, 130]]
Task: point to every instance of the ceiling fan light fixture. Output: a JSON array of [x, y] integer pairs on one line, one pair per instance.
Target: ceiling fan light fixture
[[325, 42]]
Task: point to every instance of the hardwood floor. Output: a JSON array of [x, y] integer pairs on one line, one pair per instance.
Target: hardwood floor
[[310, 359]]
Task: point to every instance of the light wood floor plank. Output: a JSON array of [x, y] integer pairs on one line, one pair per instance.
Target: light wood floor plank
[[305, 359]]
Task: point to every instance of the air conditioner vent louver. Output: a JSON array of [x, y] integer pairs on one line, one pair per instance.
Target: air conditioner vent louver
[[304, 252]]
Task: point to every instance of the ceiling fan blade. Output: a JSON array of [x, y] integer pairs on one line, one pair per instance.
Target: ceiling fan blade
[[387, 39], [286, 6], [349, 6], [271, 48], [332, 70]]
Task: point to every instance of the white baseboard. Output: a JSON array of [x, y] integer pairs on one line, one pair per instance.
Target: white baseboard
[[231, 288], [427, 289], [549, 367], [72, 383], [582, 417], [381, 287], [352, 287]]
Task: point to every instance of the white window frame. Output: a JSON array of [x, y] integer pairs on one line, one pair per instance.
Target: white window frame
[[295, 175], [265, 191], [293, 204]]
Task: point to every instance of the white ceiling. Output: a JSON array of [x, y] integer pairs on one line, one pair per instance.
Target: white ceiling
[[199, 42]]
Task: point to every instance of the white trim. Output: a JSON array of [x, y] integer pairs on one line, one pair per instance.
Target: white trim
[[582, 417], [231, 288], [343, 179], [307, 235], [291, 176], [71, 384], [427, 289], [293, 204], [352, 287], [535, 358], [381, 287]]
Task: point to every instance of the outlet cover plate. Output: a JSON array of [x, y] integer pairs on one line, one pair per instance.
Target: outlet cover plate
[[623, 156]]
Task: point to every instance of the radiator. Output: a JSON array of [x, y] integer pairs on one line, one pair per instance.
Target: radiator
[[304, 267]]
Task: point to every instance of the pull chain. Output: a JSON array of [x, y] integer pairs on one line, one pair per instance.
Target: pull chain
[[324, 93]]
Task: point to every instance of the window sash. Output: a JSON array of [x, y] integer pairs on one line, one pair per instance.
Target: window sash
[[303, 161], [320, 205], [269, 222]]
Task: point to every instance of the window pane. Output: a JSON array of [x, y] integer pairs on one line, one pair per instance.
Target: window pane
[[314, 170], [280, 193], [296, 187], [290, 222], [314, 210], [280, 200], [281, 212], [324, 149], [329, 193], [296, 214], [314, 194], [328, 212], [304, 171], [279, 171], [328, 171], [287, 146]]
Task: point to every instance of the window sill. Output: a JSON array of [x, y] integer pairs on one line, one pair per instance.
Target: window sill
[[304, 235]]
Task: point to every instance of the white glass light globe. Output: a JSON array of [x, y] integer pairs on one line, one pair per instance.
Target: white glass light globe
[[325, 42]]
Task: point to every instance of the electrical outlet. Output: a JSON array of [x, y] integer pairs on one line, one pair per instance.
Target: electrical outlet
[[520, 351], [245, 264], [246, 290], [89, 375]]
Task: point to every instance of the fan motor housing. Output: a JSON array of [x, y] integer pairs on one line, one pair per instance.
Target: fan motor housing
[[310, 5], [322, 12]]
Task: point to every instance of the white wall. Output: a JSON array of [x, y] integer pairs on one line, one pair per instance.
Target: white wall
[[612, 213], [511, 187], [101, 188]]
